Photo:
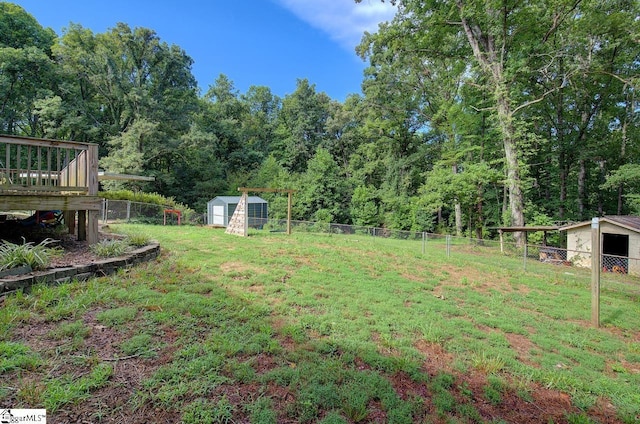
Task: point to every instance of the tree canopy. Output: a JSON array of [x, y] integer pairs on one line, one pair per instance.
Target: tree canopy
[[472, 115]]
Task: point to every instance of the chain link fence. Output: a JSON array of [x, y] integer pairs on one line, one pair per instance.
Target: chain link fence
[[615, 269], [146, 213]]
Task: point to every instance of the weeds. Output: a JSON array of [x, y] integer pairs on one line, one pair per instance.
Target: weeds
[[139, 345], [206, 411], [117, 316], [67, 389], [488, 364], [17, 357]]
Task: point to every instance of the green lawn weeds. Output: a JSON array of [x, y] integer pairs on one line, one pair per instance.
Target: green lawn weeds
[[323, 328]]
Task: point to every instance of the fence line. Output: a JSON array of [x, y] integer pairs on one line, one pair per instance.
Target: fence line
[[145, 213], [561, 257], [121, 210]]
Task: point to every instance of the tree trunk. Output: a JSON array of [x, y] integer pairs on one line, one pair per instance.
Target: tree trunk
[[458, 210], [623, 146], [491, 61], [457, 207], [562, 169], [516, 196], [582, 175], [620, 197], [479, 220]]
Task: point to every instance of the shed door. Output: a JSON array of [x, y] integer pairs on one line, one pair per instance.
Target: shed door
[[615, 252], [218, 215]]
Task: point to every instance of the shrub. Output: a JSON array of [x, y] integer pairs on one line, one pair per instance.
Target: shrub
[[27, 254], [152, 199]]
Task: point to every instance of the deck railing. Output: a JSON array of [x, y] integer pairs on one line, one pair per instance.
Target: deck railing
[[35, 166]]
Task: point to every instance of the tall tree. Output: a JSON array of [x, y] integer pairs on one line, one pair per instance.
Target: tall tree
[[301, 126], [260, 122], [516, 60], [27, 71], [138, 90], [322, 193]]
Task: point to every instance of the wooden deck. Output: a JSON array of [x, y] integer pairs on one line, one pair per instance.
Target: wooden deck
[[39, 174]]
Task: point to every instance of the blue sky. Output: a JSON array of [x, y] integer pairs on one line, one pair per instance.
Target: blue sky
[[253, 42]]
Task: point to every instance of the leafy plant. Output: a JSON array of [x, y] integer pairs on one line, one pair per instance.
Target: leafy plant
[[36, 256], [109, 248], [137, 239]]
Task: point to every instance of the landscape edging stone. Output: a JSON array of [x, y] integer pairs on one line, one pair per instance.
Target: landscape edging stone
[[83, 272]]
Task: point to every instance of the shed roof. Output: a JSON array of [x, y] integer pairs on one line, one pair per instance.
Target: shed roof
[[236, 199], [629, 222]]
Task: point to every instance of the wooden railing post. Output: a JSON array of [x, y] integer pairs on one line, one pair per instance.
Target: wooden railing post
[[92, 185]]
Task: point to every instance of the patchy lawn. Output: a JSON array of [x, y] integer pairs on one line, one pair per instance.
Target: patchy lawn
[[322, 328]]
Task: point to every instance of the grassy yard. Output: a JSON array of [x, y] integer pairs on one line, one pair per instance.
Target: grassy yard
[[323, 328]]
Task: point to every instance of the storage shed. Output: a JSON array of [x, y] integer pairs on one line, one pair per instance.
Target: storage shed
[[620, 243], [220, 210]]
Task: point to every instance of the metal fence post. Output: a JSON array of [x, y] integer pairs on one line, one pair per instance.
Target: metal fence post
[[526, 252], [424, 242], [448, 245], [128, 210]]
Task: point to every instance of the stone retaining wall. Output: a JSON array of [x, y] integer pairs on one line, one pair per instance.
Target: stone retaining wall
[[80, 272]]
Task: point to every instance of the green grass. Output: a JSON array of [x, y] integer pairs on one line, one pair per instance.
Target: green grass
[[325, 328]]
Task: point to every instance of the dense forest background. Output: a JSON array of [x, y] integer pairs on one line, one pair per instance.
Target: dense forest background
[[474, 114]]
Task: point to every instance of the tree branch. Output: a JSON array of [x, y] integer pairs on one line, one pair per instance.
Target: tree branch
[[558, 19], [539, 99]]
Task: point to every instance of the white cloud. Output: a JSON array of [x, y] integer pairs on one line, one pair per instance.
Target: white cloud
[[344, 20]]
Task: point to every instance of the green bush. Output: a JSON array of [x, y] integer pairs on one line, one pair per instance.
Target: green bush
[[150, 198]]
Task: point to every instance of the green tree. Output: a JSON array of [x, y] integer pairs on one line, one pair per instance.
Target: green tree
[[322, 192], [301, 126], [571, 53], [364, 208], [137, 90], [199, 175], [259, 124], [27, 71]]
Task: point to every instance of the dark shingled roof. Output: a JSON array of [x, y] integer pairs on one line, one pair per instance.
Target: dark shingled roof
[[627, 221]]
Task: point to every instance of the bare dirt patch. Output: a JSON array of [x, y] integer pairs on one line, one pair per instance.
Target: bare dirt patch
[[523, 346], [542, 404], [112, 403], [240, 267]]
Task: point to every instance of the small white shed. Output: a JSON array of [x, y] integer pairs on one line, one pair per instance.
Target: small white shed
[[220, 210], [620, 243]]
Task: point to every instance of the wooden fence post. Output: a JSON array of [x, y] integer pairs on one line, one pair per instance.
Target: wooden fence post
[[595, 272]]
